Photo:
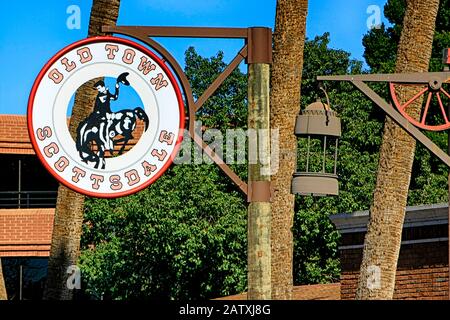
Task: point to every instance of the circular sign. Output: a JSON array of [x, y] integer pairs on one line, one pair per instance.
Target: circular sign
[[135, 125]]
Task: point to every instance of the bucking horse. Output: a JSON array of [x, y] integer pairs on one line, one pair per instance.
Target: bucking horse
[[103, 132]]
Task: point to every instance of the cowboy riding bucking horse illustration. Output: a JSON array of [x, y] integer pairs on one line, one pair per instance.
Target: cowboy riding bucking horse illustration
[[96, 134]]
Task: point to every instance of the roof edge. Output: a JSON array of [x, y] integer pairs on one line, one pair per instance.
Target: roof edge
[[416, 216]]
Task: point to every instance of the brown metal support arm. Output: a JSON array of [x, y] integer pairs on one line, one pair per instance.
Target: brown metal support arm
[[401, 121], [182, 32], [424, 78], [221, 78], [221, 164]]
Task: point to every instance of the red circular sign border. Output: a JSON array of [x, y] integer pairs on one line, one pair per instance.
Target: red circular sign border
[[38, 81]]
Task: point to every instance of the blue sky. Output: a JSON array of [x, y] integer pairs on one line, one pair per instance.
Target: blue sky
[[32, 31]]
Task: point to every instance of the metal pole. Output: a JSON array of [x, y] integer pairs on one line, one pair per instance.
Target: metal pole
[[259, 209], [20, 281], [335, 156], [324, 153], [307, 153], [20, 182]]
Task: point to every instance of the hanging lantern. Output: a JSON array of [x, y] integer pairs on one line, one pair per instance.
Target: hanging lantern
[[319, 129]]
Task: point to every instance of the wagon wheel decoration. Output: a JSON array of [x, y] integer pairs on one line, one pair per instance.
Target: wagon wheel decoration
[[436, 98]]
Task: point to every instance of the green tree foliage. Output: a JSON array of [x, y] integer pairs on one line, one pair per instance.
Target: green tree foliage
[[182, 238], [381, 44]]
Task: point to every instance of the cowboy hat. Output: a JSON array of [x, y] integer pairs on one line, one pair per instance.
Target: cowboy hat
[[122, 78]]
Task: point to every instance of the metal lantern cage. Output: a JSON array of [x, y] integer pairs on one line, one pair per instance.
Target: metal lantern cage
[[317, 122]]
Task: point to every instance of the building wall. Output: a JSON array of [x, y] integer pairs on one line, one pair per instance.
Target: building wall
[[422, 271], [14, 137], [25, 232]]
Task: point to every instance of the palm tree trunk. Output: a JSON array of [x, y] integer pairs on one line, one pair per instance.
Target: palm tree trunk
[[288, 45], [65, 248], [383, 238], [3, 295]]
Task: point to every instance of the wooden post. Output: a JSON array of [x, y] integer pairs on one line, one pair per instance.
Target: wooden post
[[259, 210]]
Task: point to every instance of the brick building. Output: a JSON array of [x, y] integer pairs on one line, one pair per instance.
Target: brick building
[[27, 201], [27, 194], [422, 270]]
